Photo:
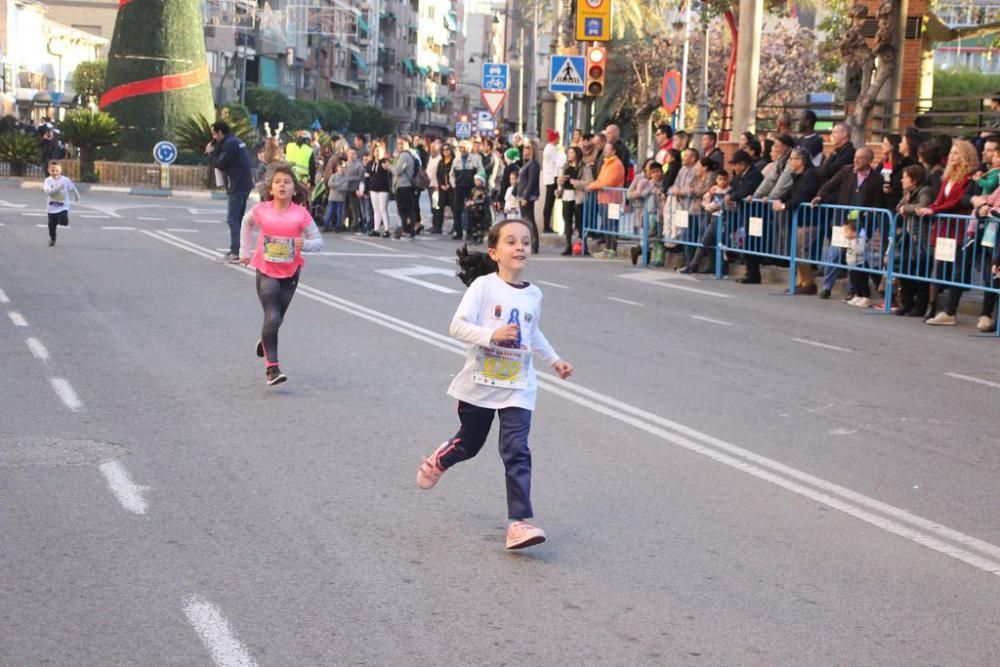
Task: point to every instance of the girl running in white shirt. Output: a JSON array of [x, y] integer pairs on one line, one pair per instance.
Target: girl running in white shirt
[[499, 318], [277, 256]]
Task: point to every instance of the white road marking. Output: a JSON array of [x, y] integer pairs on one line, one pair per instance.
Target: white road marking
[[204, 211], [799, 482], [119, 229], [181, 231], [45, 226], [66, 394], [95, 216], [631, 303], [3, 297], [548, 284], [406, 275], [216, 633], [362, 254], [6, 204], [208, 222], [17, 318], [128, 493], [668, 280], [151, 219], [822, 345], [709, 319], [38, 350], [969, 378], [373, 245], [36, 215]]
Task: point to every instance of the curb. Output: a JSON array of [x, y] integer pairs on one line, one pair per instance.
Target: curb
[[84, 188]]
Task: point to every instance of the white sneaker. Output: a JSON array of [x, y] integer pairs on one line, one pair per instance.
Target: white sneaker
[[862, 302], [985, 323], [852, 301], [943, 319]]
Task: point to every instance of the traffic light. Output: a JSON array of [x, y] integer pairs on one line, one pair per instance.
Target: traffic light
[[597, 64], [452, 83]]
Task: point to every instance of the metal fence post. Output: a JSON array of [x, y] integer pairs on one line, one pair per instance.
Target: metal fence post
[[793, 243], [890, 262]]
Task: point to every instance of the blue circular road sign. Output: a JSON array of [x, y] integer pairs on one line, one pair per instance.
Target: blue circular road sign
[[165, 152]]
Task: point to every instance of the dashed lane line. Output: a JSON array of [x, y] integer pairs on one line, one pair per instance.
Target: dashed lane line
[[64, 390], [548, 284], [3, 297], [216, 634], [128, 493], [151, 219], [712, 321], [118, 229], [969, 378], [38, 350], [176, 230], [17, 318], [631, 303], [825, 346]]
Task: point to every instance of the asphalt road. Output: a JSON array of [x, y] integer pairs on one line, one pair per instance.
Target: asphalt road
[[731, 477]]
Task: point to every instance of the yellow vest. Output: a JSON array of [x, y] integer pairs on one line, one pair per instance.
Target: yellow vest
[[299, 157]]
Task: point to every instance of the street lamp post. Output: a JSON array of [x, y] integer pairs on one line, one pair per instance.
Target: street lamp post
[[703, 105]]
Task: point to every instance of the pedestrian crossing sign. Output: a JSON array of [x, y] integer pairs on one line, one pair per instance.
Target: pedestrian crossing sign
[[566, 74]]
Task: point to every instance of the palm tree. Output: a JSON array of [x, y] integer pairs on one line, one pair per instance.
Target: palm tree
[[89, 130]]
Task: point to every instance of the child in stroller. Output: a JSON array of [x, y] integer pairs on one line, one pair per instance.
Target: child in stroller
[[478, 208]]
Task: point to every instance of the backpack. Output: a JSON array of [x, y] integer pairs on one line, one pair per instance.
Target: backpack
[[419, 179]]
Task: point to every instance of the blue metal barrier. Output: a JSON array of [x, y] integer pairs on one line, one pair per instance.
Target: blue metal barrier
[[852, 238], [754, 228], [609, 212], [952, 251]]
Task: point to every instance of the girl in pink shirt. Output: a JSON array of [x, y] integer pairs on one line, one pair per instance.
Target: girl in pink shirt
[[277, 257]]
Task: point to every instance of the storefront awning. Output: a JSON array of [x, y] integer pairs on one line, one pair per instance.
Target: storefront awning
[[359, 61], [451, 21], [362, 24], [424, 71], [408, 66], [269, 73]]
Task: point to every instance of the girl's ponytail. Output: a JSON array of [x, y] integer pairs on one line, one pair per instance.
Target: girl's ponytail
[[473, 265]]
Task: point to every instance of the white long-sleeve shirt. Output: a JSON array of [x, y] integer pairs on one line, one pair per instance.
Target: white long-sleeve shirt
[[489, 304], [553, 160], [58, 191]]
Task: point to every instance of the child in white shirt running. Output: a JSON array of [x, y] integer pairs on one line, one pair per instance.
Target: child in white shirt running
[[499, 318], [57, 189]]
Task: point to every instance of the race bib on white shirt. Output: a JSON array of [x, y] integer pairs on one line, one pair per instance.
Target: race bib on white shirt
[[501, 367], [279, 249]]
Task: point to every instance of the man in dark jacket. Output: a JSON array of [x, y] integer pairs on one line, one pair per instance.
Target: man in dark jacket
[[841, 156], [803, 188], [857, 185], [228, 154], [746, 177]]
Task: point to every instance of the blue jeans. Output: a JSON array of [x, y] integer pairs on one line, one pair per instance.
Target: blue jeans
[[833, 255], [236, 206], [334, 215]]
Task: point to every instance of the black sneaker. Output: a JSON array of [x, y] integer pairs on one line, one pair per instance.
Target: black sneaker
[[52, 242], [275, 376], [260, 348]]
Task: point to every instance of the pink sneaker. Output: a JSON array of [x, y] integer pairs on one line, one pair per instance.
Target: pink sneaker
[[429, 471], [521, 535]]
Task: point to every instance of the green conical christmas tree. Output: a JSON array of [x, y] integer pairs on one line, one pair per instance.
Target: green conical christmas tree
[[157, 70]]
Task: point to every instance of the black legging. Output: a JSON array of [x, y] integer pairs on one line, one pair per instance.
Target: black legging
[[275, 295]]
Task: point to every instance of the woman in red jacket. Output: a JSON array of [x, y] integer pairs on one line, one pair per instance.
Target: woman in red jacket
[[954, 198]]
